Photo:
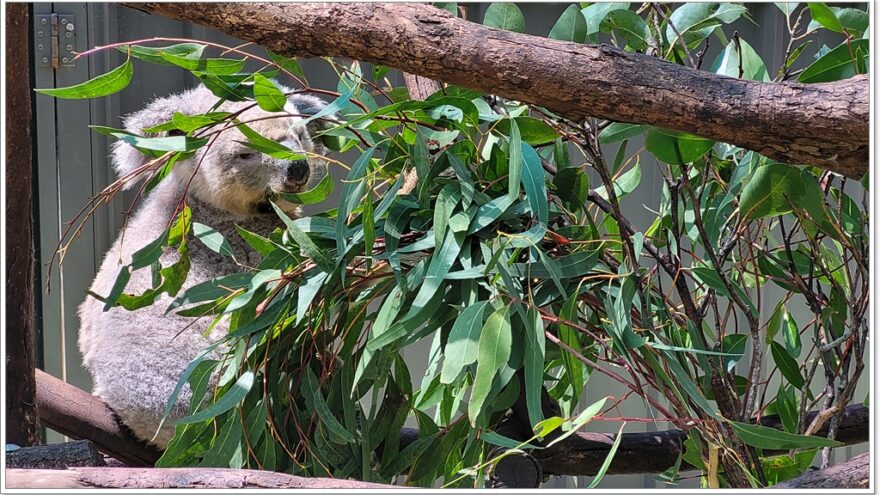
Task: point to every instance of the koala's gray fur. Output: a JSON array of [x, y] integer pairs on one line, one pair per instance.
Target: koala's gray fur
[[136, 357]]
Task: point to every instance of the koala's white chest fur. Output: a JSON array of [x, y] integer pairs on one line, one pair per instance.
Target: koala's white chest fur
[[136, 357]]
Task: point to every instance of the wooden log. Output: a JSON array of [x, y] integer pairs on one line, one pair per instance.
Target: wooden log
[[79, 453], [854, 473], [22, 423], [168, 478], [818, 124]]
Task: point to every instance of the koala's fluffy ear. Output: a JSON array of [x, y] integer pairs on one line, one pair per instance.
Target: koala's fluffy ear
[[310, 105], [125, 157]]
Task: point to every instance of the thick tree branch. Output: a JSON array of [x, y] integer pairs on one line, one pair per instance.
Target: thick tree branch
[[80, 415], [818, 124], [140, 478]]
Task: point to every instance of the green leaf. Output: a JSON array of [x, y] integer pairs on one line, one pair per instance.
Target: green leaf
[[787, 407], [854, 21], [711, 277], [104, 85], [227, 401], [837, 64], [787, 8], [770, 191], [325, 415], [320, 192], [630, 25], [696, 21], [173, 143], [259, 243], [188, 123], [608, 458], [572, 187], [571, 26], [533, 363], [307, 292], [150, 253], [264, 145], [288, 64], [773, 439], [824, 16], [227, 448], [514, 167], [583, 418], [463, 342], [493, 353], [595, 14], [790, 335], [676, 147], [504, 15], [735, 345], [154, 54], [619, 131], [118, 286], [784, 467], [787, 365], [267, 94], [229, 87], [533, 131], [502, 441], [317, 255], [625, 183], [574, 368], [348, 199], [212, 239], [731, 60], [548, 426], [214, 66], [535, 184]]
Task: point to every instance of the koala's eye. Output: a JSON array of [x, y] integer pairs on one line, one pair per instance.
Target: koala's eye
[[247, 155]]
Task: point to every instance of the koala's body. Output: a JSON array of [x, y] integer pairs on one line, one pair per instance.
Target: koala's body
[[136, 357]]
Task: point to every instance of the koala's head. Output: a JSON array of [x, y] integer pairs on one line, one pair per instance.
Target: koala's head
[[227, 174]]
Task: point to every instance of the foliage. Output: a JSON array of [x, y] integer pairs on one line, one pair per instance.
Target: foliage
[[514, 257]]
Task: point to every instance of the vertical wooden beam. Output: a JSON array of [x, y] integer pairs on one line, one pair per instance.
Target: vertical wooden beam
[[22, 424]]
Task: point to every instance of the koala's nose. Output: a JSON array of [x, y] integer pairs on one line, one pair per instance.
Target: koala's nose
[[297, 172]]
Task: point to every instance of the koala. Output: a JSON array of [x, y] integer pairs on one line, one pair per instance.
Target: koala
[[136, 357]]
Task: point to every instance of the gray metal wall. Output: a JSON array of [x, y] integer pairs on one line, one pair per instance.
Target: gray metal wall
[[72, 164]]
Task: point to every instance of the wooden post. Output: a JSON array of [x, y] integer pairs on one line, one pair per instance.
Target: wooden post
[[22, 424]]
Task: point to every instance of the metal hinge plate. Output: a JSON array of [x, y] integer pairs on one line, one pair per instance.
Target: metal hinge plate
[[54, 40]]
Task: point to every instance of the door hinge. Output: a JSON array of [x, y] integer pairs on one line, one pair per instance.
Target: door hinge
[[55, 40]]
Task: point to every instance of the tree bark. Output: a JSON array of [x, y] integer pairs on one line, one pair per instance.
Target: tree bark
[[818, 124], [80, 453], [81, 415], [22, 423], [140, 478], [854, 473]]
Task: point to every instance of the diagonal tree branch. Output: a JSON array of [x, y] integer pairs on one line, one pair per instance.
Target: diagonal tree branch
[[818, 124]]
